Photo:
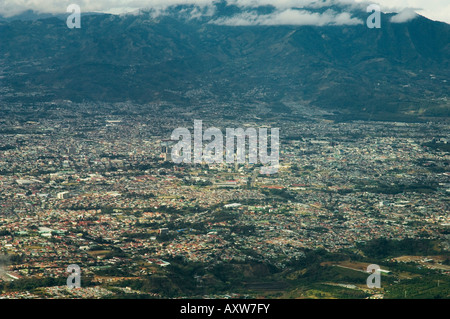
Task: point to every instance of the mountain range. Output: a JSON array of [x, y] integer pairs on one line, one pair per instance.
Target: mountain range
[[400, 68]]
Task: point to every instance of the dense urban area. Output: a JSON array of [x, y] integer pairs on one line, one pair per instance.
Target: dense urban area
[[82, 185]]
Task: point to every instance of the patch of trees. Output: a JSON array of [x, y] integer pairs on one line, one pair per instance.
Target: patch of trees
[[223, 215], [402, 188], [28, 284], [445, 147], [243, 229], [283, 193], [383, 248]]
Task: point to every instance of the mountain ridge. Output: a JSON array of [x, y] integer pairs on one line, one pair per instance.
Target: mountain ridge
[[400, 68]]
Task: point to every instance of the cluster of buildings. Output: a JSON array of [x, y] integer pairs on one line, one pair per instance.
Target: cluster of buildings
[[102, 193]]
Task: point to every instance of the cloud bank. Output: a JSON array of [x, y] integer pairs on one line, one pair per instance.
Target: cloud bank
[[404, 16], [434, 9], [290, 17]]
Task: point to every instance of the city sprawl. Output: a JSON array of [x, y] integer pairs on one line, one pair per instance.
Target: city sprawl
[[99, 190]]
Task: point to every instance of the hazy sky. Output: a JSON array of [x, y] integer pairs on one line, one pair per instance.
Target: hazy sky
[[433, 9]]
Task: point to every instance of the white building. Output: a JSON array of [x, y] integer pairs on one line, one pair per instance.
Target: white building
[[62, 195]]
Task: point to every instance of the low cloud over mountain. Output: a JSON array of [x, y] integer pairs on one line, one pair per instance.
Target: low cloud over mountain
[[323, 56], [436, 9]]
